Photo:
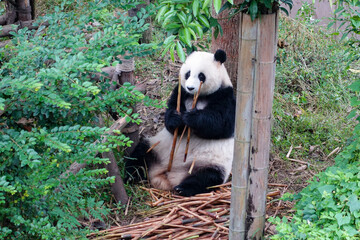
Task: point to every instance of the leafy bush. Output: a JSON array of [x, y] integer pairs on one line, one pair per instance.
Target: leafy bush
[[49, 103], [329, 207]]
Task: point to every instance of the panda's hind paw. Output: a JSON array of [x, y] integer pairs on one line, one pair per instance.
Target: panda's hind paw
[[185, 191]]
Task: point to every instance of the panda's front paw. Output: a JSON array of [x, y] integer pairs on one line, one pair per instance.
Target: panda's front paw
[[173, 120], [190, 118]]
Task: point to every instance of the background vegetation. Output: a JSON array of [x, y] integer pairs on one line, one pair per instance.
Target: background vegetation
[[50, 102]]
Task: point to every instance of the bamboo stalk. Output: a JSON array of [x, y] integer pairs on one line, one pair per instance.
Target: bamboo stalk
[[176, 130], [261, 126], [196, 96], [152, 147], [242, 137]]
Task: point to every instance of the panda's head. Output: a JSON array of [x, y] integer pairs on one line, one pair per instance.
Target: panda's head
[[205, 67]]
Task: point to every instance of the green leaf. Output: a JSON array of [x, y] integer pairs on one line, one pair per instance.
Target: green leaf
[[231, 1], [204, 20], [182, 18], [197, 28], [253, 9], [187, 36], [342, 220], [180, 51], [161, 12], [351, 114], [172, 55], [217, 5], [326, 188], [195, 7], [206, 4], [354, 203], [355, 86]]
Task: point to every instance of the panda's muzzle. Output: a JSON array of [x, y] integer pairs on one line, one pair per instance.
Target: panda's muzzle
[[190, 88]]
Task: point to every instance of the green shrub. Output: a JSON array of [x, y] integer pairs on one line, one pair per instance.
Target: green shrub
[[49, 103], [329, 207]]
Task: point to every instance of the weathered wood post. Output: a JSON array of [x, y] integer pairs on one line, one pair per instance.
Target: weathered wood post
[[255, 88]]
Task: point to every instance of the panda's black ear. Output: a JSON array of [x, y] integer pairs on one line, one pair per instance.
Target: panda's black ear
[[220, 56]]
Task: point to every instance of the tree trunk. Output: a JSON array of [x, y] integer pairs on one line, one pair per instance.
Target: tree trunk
[[229, 41], [24, 10], [257, 61], [117, 187], [10, 13], [147, 35]]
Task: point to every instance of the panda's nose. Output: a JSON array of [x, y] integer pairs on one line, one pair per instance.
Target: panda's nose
[[190, 88]]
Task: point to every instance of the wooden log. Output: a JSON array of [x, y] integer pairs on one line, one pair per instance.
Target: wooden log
[[7, 29], [117, 188], [261, 124], [244, 108], [75, 166]]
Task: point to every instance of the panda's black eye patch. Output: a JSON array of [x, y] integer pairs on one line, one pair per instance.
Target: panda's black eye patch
[[187, 75], [202, 77]]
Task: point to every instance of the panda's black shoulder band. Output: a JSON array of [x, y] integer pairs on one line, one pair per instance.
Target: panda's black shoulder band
[[220, 56]]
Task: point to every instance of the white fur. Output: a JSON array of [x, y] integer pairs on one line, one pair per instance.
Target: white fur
[[200, 105], [215, 72], [206, 153]]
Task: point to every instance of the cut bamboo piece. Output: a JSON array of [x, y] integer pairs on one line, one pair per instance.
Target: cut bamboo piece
[[196, 96], [177, 129]]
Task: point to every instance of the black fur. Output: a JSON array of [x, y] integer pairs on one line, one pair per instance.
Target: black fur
[[220, 56], [215, 121], [138, 163], [200, 180]]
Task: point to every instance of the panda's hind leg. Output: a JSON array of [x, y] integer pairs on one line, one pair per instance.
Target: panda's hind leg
[[200, 181]]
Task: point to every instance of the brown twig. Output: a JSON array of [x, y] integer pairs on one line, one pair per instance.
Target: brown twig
[[153, 146]]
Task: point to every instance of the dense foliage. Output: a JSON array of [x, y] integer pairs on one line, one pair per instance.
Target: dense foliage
[[186, 21], [49, 103], [329, 207]]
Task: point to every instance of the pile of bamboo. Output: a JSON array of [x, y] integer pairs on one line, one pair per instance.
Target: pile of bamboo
[[204, 216]]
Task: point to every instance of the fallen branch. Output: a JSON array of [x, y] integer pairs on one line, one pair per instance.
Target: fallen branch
[[76, 167], [7, 29]]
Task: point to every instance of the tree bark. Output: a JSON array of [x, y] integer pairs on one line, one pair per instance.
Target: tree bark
[[10, 13], [117, 187], [24, 10], [229, 41]]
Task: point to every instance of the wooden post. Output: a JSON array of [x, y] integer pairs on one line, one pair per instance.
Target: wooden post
[[256, 78], [261, 124], [244, 107]]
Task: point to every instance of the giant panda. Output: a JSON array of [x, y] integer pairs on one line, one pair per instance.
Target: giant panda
[[212, 130]]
